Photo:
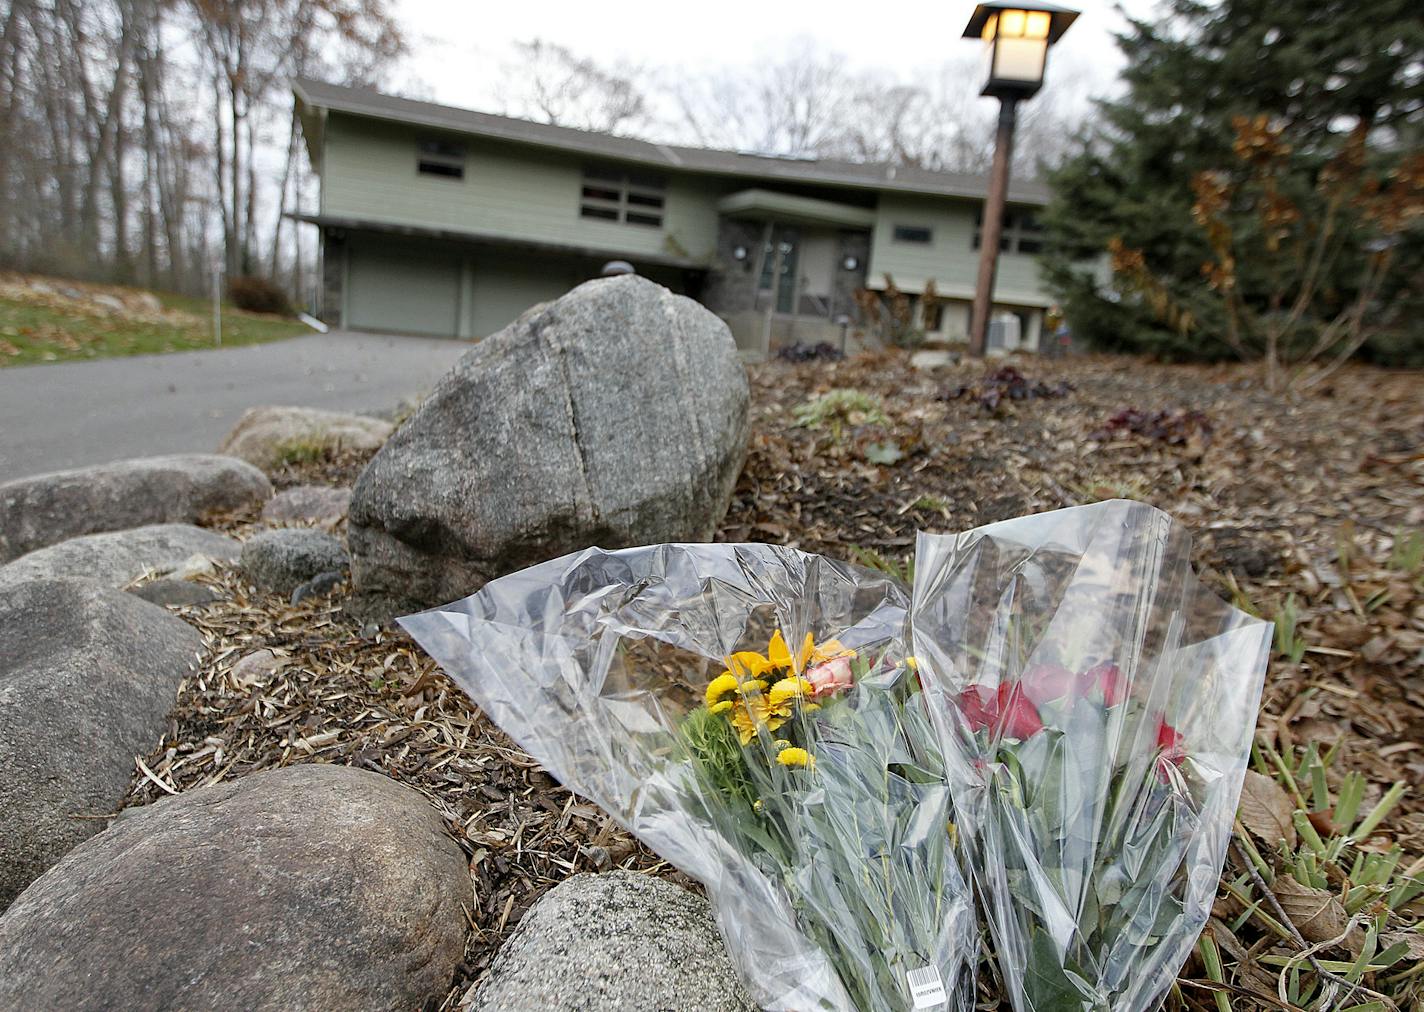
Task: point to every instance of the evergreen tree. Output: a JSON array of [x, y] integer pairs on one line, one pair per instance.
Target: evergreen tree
[[1317, 69]]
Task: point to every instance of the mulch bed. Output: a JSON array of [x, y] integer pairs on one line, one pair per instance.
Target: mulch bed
[[1306, 499]]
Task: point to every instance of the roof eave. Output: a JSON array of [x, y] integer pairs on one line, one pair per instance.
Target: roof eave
[[420, 118]]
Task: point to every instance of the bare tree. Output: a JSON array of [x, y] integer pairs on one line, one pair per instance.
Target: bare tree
[[809, 104], [549, 82]]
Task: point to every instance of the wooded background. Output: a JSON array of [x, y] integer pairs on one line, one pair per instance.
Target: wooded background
[[147, 140]]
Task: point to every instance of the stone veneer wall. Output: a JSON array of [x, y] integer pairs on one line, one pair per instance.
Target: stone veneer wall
[[729, 283], [851, 243]]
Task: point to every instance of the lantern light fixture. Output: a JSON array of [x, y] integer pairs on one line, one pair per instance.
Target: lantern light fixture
[[1017, 37]]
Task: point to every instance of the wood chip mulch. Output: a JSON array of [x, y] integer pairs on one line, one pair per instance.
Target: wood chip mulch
[[1311, 500]]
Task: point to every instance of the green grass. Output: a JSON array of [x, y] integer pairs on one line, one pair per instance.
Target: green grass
[[32, 333]]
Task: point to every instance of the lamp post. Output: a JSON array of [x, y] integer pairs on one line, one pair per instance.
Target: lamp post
[[1018, 36]]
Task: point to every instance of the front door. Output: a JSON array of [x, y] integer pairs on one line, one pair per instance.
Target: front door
[[779, 264]]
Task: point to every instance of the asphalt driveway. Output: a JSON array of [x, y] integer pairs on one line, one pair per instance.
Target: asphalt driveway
[[76, 413]]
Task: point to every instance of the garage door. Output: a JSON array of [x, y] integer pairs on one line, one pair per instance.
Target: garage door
[[404, 289], [505, 287]]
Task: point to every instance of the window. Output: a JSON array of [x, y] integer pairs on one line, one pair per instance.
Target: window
[[440, 158], [613, 194], [913, 233], [933, 315], [1022, 232]]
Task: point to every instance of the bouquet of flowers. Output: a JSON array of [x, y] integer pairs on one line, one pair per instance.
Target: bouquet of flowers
[[1097, 707], [748, 712], [1076, 711]]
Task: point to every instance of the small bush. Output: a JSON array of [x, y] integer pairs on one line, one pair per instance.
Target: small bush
[[301, 451], [258, 295], [1005, 384], [1176, 428], [840, 407], [799, 352]]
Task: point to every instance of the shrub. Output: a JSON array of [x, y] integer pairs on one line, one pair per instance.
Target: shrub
[[258, 295], [799, 352], [840, 407]]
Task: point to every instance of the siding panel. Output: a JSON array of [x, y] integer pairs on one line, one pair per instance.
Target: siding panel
[[519, 193], [950, 260]]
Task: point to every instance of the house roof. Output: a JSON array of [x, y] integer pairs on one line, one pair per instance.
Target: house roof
[[319, 95]]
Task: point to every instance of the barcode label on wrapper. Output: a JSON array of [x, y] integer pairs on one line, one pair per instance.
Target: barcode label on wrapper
[[926, 987]]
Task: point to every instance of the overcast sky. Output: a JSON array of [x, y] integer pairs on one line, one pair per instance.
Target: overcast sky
[[459, 51]]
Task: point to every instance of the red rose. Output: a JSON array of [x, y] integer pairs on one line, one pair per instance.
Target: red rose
[[1173, 747], [1008, 710], [979, 705], [1018, 718], [1043, 683], [1106, 678]]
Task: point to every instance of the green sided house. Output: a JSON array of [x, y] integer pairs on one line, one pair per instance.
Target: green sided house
[[443, 221]]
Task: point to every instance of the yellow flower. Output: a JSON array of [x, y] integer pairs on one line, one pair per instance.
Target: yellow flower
[[719, 687], [756, 707], [827, 651], [752, 713], [785, 692], [796, 757], [778, 655], [748, 664]]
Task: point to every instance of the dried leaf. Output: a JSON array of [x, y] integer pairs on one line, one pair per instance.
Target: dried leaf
[[1266, 809], [1412, 939], [1318, 914]]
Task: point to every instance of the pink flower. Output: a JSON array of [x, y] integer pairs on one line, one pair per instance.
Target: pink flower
[[830, 677], [1043, 683], [1008, 710], [1106, 678]]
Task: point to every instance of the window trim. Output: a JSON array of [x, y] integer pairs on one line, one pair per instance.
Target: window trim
[[623, 196], [897, 234], [439, 158], [1016, 231]]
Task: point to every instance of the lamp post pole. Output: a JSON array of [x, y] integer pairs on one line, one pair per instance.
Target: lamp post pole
[[992, 225]]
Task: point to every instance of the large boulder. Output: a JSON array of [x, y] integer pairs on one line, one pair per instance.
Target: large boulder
[[613, 416], [616, 941], [309, 887], [49, 508], [87, 677], [272, 436], [119, 557], [283, 559]]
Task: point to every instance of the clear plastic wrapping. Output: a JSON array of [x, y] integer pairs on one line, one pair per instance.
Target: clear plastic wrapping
[[1073, 723], [1097, 705], [748, 712]]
